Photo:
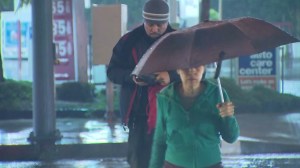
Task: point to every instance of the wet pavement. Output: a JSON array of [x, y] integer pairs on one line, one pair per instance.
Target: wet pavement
[[267, 140], [275, 128], [241, 161], [73, 130]]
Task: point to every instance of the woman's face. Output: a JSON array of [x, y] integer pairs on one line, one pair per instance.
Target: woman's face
[[191, 76]]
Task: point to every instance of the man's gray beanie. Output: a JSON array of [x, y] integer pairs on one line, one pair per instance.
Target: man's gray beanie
[[156, 11]]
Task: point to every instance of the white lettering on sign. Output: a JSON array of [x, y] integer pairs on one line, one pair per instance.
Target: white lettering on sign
[[255, 71], [59, 27], [62, 49], [69, 48], [63, 60], [260, 64], [58, 7], [263, 55], [61, 75], [69, 27], [248, 83]]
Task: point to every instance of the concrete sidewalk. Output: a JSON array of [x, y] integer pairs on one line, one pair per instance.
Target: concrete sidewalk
[[95, 138]]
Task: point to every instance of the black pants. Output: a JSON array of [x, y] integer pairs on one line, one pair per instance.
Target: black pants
[[139, 143]]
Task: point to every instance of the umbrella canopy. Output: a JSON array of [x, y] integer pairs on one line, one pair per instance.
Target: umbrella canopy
[[210, 42]]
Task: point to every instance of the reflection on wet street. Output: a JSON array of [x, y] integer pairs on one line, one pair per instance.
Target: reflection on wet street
[[96, 163], [231, 161], [279, 128], [96, 131], [270, 128], [74, 131], [294, 122], [263, 161]]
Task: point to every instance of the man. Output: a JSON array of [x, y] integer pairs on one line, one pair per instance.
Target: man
[[137, 97]]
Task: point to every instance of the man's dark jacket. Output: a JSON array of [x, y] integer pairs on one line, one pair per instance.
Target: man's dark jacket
[[126, 54]]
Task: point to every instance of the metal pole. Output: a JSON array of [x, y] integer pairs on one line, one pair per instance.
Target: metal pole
[[282, 69], [204, 13], [173, 11], [220, 9], [19, 51], [44, 126]]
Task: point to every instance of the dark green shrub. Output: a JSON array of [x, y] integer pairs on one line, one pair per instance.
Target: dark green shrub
[[15, 95], [272, 101], [75, 91], [242, 99], [260, 99]]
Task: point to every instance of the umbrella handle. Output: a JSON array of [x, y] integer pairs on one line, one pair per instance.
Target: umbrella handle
[[220, 90], [220, 87], [219, 64]]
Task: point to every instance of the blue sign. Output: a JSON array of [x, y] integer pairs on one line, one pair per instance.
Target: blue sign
[[11, 34], [261, 64]]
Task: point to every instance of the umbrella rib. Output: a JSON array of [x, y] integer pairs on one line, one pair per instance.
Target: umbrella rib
[[190, 50], [247, 37], [241, 31]]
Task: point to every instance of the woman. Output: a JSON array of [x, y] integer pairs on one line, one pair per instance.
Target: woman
[[190, 122]]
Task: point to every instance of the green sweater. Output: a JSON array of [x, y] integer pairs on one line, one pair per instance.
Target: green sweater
[[191, 138]]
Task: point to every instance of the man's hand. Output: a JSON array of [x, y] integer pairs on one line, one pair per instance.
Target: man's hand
[[226, 109], [138, 81], [162, 78]]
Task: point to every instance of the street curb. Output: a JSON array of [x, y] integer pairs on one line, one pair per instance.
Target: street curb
[[251, 147], [109, 150], [66, 151]]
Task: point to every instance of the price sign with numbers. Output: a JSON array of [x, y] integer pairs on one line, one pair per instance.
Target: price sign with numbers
[[63, 39]]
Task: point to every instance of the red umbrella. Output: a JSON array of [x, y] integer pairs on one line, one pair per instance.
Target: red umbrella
[[204, 43], [211, 41]]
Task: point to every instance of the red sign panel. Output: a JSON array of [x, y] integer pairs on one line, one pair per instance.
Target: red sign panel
[[63, 39]]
